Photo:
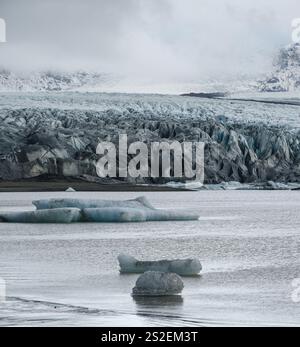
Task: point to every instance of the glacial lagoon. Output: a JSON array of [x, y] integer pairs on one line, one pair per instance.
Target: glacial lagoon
[[248, 243]]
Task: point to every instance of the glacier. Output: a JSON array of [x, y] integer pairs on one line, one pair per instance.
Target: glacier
[[56, 134], [182, 267]]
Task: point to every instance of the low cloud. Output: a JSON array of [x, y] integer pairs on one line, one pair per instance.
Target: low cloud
[[155, 40]]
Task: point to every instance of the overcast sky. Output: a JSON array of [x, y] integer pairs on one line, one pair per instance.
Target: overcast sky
[[167, 40]]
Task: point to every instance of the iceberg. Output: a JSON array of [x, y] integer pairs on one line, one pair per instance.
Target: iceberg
[[182, 267], [153, 283], [122, 215], [140, 202], [59, 215], [70, 190], [113, 215], [96, 211]]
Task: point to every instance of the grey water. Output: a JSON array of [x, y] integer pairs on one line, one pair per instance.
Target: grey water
[[68, 275]]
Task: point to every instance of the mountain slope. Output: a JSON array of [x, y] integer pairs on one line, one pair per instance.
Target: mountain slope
[[49, 81], [286, 75]]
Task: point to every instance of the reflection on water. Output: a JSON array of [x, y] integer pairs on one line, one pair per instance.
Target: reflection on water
[[157, 301]]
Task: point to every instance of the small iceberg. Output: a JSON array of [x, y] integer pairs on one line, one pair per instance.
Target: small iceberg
[[182, 267], [70, 190], [154, 283], [59, 215]]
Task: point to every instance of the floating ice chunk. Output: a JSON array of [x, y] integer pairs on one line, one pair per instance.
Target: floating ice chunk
[[70, 190], [183, 267], [154, 283], [59, 215], [114, 215], [140, 202]]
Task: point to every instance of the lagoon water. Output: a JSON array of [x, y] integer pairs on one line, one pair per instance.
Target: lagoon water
[[67, 275]]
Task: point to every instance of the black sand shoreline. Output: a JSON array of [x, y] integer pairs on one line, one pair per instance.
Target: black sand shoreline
[[77, 185]]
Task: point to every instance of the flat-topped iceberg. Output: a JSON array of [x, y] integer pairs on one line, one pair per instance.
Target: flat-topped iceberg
[[95, 211], [154, 283], [182, 267], [140, 202], [59, 215]]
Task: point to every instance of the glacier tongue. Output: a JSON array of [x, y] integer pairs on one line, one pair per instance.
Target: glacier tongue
[[56, 134]]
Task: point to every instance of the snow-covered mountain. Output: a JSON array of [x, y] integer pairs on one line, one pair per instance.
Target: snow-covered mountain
[[83, 81], [284, 78], [50, 81], [286, 75]]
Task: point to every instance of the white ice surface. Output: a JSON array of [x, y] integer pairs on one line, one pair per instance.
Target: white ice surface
[[158, 106]]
